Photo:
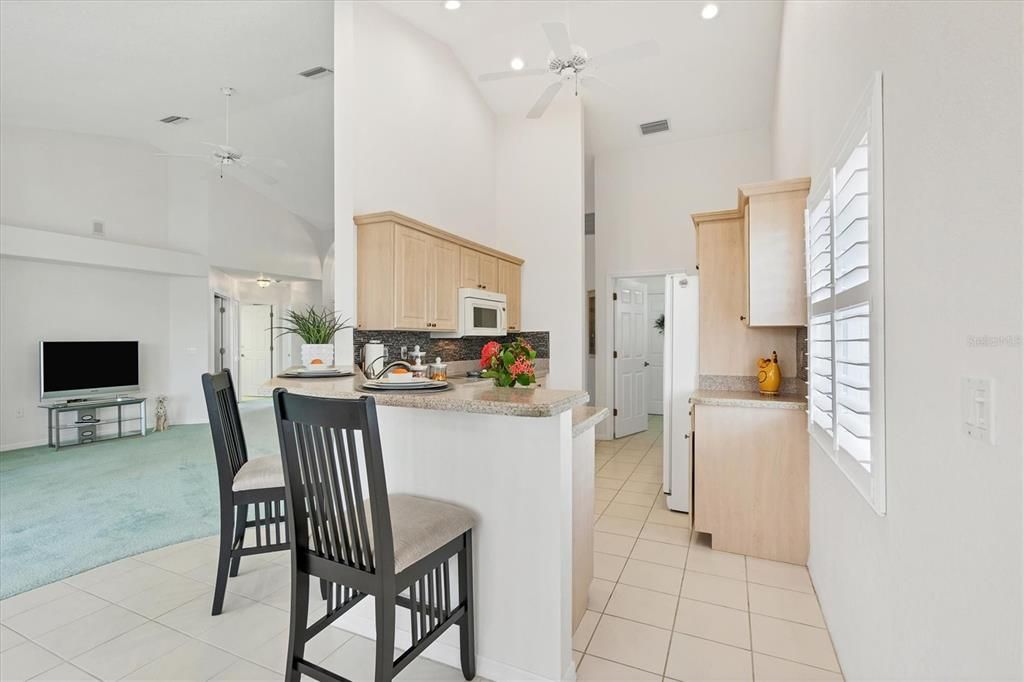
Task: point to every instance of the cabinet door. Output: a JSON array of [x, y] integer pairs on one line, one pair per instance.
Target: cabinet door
[[469, 267], [488, 272], [775, 260], [412, 256], [444, 287], [510, 284]]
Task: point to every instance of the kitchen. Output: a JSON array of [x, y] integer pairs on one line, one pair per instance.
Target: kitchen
[[439, 297], [429, 302]]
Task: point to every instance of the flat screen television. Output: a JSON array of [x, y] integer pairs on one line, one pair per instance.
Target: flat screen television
[[79, 369]]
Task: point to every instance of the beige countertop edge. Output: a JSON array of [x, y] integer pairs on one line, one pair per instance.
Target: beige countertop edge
[[586, 417], [478, 398], [748, 399]]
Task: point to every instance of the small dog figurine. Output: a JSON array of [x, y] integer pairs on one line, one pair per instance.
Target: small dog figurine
[[161, 413]]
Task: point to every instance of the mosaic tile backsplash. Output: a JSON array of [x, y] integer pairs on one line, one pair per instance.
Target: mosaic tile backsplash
[[450, 350]]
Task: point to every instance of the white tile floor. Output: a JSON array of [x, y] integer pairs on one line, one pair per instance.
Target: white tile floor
[[148, 618], [665, 606]]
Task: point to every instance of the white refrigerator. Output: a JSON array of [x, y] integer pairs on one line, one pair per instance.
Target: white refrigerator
[[681, 319]]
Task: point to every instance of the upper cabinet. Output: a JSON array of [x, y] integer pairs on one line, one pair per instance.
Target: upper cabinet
[[408, 274], [773, 225], [510, 283], [479, 270]]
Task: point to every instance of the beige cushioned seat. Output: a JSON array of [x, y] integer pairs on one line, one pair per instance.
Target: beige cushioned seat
[[259, 472], [420, 525]]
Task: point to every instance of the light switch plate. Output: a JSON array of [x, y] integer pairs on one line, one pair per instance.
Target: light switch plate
[[978, 409]]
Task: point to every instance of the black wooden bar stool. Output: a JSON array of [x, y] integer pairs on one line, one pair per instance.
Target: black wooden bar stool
[[396, 548], [243, 482]]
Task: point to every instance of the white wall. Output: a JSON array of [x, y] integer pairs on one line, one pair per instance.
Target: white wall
[[933, 589], [424, 136], [643, 199], [61, 182], [247, 231], [540, 218], [72, 303]]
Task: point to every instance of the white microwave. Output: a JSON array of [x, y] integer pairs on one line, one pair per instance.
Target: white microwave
[[481, 313]]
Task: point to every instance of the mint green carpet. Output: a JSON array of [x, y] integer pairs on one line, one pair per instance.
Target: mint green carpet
[[64, 512]]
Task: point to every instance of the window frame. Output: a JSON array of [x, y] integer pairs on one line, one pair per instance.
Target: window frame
[[867, 120]]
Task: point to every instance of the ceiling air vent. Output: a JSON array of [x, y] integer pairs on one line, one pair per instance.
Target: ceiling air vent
[[654, 127], [316, 72], [174, 120]]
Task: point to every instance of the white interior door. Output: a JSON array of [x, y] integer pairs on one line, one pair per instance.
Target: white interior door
[[655, 354], [630, 357], [255, 347]]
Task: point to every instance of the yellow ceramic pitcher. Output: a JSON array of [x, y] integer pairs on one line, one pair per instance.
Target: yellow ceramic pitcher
[[769, 376]]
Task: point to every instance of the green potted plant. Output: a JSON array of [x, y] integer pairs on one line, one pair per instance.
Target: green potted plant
[[509, 364], [316, 327]]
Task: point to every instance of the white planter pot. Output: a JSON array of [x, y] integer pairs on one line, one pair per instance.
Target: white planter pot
[[324, 352]]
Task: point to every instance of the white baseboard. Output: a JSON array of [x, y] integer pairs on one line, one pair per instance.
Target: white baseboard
[[4, 447], [446, 653]]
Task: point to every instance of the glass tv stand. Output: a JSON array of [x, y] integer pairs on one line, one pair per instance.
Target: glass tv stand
[[90, 415]]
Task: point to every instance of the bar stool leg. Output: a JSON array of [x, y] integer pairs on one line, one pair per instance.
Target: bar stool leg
[[467, 625], [299, 619]]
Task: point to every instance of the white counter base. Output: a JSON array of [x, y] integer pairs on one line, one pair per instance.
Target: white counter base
[[515, 474]]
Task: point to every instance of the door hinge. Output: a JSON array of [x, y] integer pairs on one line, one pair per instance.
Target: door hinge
[[615, 354], [615, 412], [615, 296]]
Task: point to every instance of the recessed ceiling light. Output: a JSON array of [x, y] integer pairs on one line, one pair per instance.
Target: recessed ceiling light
[[452, 4], [710, 11], [517, 64]]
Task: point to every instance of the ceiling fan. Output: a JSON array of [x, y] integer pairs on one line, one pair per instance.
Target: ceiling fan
[[224, 155], [569, 62]]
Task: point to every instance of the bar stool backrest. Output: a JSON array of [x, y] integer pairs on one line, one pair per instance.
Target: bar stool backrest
[[225, 426], [333, 462]]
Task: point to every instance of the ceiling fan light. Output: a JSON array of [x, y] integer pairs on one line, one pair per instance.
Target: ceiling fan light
[[452, 4], [517, 64], [710, 11]]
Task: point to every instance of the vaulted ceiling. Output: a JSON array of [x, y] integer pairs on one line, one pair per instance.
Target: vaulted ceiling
[[713, 76], [117, 68]]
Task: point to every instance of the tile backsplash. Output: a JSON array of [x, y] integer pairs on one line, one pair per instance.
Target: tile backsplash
[[450, 350]]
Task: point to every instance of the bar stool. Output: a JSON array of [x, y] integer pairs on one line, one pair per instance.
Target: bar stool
[[396, 548], [242, 482]]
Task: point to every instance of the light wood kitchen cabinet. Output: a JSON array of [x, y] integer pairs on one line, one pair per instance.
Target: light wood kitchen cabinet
[[727, 345], [773, 215], [510, 284], [412, 281], [479, 270], [443, 289], [408, 273], [750, 479]]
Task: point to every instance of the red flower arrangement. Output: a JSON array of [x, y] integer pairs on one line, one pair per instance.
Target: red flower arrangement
[[509, 364]]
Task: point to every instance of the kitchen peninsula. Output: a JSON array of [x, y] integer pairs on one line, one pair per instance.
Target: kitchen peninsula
[[512, 456]]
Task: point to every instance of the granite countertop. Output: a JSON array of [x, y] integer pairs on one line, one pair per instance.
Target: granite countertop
[[587, 417], [748, 399], [477, 397]]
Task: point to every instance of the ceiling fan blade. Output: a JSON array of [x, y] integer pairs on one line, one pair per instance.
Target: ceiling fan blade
[[501, 75], [626, 53], [544, 101], [558, 38]]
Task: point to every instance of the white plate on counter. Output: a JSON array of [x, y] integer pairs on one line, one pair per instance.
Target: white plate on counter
[[418, 384]]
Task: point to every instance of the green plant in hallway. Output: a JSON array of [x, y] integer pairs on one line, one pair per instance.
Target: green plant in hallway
[[317, 328], [509, 364]]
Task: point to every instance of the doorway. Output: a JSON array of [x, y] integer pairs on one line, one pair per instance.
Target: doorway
[[256, 347]]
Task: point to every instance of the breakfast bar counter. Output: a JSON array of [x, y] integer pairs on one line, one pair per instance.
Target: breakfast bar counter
[[508, 455]]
